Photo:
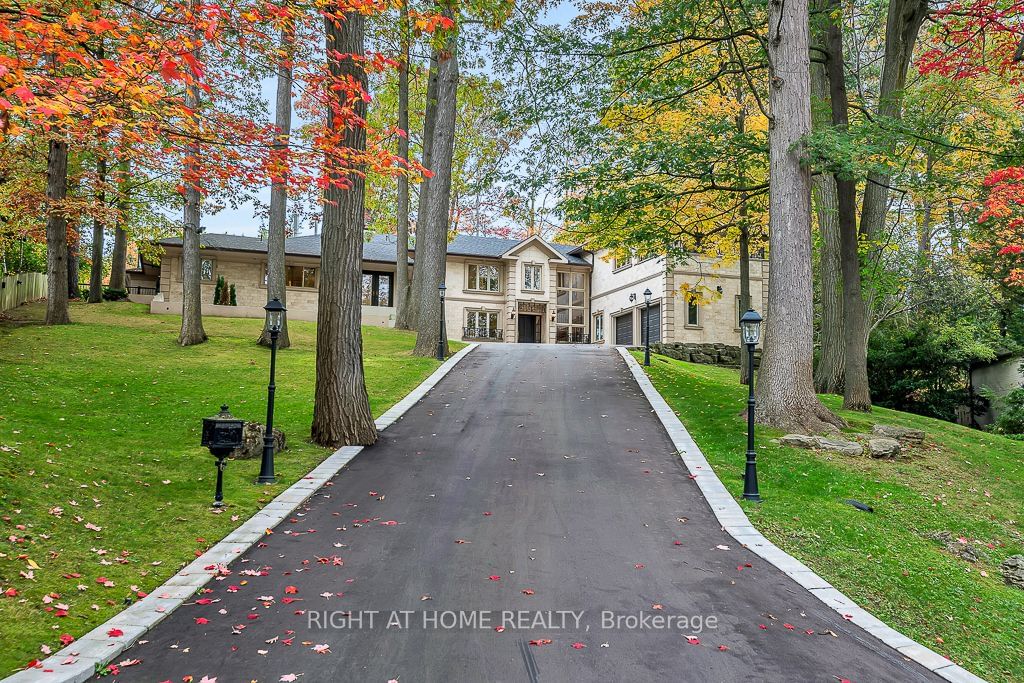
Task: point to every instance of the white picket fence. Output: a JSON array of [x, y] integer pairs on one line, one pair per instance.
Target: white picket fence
[[21, 287]]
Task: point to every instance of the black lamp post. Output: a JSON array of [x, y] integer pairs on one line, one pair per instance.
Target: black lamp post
[[647, 327], [275, 313], [222, 434], [750, 330], [440, 329]]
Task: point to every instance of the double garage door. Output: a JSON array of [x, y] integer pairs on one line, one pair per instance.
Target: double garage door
[[624, 326]]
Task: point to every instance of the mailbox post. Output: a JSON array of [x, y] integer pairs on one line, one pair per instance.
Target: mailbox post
[[222, 434]]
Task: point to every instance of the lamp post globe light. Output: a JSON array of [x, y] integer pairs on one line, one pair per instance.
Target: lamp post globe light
[[750, 331], [440, 328], [647, 327], [275, 315]]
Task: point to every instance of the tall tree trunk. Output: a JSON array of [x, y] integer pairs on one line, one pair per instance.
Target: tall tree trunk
[[192, 331], [432, 237], [785, 386], [427, 160], [856, 392], [745, 302], [924, 231], [902, 26], [57, 234], [402, 229], [341, 407], [98, 230], [74, 291], [276, 288], [828, 374]]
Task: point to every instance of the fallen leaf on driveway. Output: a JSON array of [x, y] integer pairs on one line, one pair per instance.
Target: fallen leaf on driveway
[[722, 547], [541, 641], [578, 646], [693, 640], [115, 633]]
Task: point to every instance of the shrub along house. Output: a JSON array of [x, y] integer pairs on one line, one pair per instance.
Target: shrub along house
[[530, 290]]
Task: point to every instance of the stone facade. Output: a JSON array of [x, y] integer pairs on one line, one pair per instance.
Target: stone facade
[[504, 290]]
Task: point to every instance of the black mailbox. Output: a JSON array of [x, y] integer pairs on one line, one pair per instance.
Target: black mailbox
[[222, 432]]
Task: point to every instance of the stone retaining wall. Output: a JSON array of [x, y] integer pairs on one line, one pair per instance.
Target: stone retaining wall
[[708, 354]]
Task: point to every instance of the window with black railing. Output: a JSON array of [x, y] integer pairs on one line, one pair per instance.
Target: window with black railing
[[481, 325]]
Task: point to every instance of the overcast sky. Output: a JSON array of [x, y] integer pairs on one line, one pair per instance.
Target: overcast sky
[[241, 220]]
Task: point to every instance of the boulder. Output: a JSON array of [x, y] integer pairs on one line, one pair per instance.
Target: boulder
[[1013, 570], [252, 442], [958, 546], [799, 441], [840, 446], [881, 447], [823, 443], [903, 434]]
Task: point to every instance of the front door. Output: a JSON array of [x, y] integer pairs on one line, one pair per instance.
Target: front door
[[528, 325]]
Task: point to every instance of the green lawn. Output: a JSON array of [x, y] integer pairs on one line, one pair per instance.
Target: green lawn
[[963, 481], [100, 426]]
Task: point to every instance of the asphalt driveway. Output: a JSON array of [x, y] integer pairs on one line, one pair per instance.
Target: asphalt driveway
[[527, 521]]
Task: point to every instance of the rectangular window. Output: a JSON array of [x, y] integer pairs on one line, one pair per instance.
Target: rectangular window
[[599, 328], [569, 310], [620, 263], [482, 325], [483, 278], [532, 274], [300, 276], [692, 314], [377, 289], [206, 269]]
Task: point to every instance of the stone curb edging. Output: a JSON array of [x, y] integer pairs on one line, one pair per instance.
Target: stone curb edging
[[97, 648], [735, 522]]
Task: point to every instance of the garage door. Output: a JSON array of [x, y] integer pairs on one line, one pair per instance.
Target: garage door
[[624, 329], [655, 329]]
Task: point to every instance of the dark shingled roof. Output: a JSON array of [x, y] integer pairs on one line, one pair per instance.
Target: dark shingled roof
[[380, 248]]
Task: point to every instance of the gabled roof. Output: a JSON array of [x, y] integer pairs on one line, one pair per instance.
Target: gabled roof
[[379, 248], [535, 239]]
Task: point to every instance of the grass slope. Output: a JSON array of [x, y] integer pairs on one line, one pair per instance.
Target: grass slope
[[100, 425], [963, 481]]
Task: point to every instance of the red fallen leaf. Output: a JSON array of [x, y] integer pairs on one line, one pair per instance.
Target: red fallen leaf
[[494, 577], [287, 641], [60, 613], [748, 565], [739, 567], [541, 641], [102, 579], [115, 633], [204, 601], [461, 541], [527, 591], [66, 639], [638, 565], [722, 648], [374, 493], [578, 646], [848, 617], [390, 522], [677, 542], [789, 627], [693, 640], [499, 629], [11, 592], [657, 605], [252, 617], [692, 476], [291, 589], [809, 632], [72, 575], [202, 620], [762, 627], [487, 514], [289, 601]]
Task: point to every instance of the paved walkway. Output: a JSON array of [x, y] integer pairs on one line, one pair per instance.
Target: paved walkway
[[531, 489]]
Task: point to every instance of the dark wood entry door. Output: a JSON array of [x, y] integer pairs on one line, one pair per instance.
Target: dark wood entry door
[[528, 325]]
